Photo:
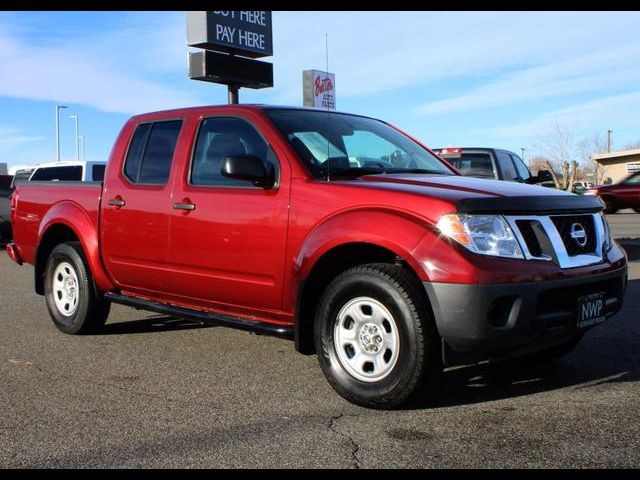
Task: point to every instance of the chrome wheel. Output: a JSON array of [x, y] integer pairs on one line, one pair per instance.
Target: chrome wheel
[[366, 339], [64, 289]]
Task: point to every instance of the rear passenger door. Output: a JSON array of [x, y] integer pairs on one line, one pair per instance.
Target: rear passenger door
[[136, 206]]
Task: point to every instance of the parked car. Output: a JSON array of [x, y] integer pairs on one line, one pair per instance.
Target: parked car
[[69, 171], [5, 208], [492, 163], [232, 214], [624, 194]]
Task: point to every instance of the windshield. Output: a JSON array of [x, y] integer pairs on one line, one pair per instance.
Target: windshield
[[347, 145]]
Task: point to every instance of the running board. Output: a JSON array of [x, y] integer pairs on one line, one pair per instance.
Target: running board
[[257, 327]]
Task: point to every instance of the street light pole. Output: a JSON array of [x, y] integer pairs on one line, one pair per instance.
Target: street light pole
[[58, 107], [75, 117], [81, 137]]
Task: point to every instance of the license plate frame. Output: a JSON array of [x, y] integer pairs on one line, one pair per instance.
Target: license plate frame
[[591, 309]]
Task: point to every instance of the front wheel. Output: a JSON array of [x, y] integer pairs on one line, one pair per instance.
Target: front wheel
[[71, 300], [376, 340]]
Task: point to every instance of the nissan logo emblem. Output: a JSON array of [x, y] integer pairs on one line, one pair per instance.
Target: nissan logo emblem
[[579, 234]]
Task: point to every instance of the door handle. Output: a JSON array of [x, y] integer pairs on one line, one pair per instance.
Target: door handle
[[116, 202], [184, 206]]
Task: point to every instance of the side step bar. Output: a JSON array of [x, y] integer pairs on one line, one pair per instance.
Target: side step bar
[[260, 328]]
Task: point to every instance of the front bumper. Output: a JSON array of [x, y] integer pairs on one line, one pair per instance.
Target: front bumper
[[479, 322]]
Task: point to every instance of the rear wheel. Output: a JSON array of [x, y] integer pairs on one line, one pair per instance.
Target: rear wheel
[[376, 341], [71, 300]]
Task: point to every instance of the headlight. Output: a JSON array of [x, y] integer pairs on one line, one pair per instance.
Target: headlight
[[484, 234], [608, 239]]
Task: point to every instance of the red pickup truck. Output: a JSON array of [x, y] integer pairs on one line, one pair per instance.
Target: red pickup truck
[[339, 231]]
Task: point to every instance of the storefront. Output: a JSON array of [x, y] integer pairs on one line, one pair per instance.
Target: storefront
[[618, 165]]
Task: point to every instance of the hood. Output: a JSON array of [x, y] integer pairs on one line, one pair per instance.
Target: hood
[[472, 195]]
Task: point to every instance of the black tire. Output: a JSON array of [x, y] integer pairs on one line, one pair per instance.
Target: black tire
[[637, 210], [550, 355], [90, 312], [417, 368], [610, 205]]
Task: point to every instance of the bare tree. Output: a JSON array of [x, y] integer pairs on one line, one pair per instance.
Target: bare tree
[[559, 149], [632, 145], [589, 147]]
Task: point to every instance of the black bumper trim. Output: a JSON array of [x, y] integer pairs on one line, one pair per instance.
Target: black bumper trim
[[480, 322]]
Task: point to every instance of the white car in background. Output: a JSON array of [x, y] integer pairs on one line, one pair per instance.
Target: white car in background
[[68, 171]]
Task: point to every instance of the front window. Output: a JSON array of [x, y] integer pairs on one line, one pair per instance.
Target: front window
[[347, 145]]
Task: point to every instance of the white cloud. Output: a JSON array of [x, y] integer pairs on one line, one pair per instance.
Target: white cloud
[[619, 110], [11, 139], [98, 72], [373, 52], [594, 72]]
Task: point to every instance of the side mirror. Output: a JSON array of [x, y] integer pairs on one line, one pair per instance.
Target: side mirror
[[248, 167], [543, 176]]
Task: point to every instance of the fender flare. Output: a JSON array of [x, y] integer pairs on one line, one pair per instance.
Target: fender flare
[[73, 216], [397, 231]]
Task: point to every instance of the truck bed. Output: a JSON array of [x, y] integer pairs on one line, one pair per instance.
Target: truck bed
[[36, 199]]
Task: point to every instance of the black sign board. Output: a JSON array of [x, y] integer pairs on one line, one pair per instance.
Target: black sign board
[[221, 68], [240, 32]]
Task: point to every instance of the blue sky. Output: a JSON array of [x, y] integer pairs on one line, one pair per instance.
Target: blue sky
[[496, 79]]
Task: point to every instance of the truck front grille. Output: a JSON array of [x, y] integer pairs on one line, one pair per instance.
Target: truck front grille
[[567, 240], [565, 223]]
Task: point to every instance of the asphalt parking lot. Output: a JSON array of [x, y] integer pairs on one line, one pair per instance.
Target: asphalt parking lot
[[152, 391]]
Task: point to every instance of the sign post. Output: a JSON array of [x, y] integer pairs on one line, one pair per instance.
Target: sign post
[[226, 36]]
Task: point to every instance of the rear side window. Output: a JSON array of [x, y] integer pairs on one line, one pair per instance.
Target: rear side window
[[151, 152], [506, 165], [61, 174]]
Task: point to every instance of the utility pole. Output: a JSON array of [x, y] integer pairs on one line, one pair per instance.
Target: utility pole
[[608, 141], [75, 117], [58, 107]]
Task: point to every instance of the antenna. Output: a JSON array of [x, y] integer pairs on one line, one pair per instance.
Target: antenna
[[326, 49]]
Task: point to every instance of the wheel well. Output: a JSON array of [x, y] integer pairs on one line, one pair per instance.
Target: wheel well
[[328, 267], [55, 235]]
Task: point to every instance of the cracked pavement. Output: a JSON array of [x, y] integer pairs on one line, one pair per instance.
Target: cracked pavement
[[152, 391]]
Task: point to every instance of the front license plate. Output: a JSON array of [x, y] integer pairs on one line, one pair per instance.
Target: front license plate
[[591, 309]]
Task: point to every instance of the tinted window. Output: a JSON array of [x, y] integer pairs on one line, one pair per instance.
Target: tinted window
[[506, 165], [62, 174], [473, 164], [221, 137], [97, 173], [156, 163], [136, 150], [521, 168]]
